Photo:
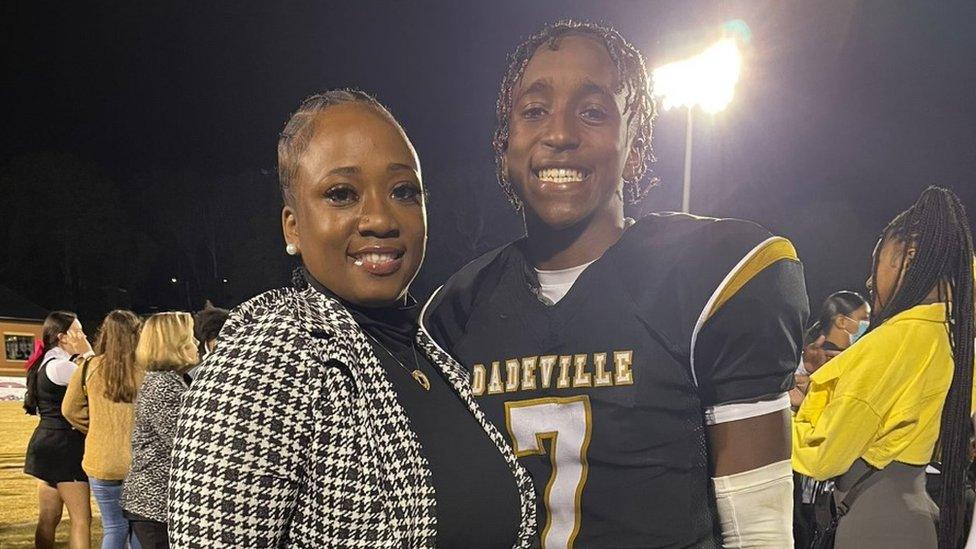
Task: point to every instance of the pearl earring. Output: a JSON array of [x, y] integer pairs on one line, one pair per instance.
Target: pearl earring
[[291, 249]]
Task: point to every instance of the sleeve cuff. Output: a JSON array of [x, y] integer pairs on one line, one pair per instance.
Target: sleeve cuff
[[724, 413]]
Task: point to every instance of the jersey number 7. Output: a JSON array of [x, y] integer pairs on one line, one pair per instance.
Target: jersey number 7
[[565, 422]]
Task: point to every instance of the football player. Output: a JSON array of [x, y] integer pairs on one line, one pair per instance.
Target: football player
[[628, 362]]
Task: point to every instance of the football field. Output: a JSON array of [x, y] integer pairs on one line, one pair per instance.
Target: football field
[[18, 492]]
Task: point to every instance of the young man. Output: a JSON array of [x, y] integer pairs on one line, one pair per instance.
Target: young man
[[628, 362]]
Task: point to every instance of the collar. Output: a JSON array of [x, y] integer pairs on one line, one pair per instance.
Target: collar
[[933, 312], [58, 353]]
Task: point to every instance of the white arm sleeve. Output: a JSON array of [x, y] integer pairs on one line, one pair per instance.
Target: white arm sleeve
[[755, 508], [59, 371]]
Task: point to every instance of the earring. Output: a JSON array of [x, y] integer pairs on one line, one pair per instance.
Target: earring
[[291, 249]]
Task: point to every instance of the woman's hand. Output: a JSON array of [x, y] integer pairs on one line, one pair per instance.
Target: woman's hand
[[798, 393], [815, 356], [77, 343]]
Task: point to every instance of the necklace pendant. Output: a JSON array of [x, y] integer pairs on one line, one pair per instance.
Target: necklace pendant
[[421, 378]]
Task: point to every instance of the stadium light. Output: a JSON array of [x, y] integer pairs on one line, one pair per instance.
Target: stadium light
[[707, 81]]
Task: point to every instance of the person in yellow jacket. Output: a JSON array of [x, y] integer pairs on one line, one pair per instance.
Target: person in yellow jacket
[[872, 415], [102, 405]]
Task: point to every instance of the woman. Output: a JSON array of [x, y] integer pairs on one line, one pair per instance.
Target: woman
[[166, 350], [55, 450], [659, 352], [873, 414], [844, 318], [323, 418], [101, 405]]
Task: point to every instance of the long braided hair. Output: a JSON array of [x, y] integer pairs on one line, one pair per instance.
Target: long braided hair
[[937, 227], [631, 78]]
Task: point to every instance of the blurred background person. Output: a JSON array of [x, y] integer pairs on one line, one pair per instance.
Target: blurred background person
[[873, 415], [100, 402], [166, 350], [55, 450], [207, 323], [844, 317]]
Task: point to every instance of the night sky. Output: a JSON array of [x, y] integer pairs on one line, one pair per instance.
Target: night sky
[[138, 140]]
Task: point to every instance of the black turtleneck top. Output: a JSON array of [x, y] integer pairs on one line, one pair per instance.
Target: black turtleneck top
[[477, 503]]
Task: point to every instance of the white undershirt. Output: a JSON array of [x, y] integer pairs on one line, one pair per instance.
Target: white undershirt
[[554, 285], [60, 368]]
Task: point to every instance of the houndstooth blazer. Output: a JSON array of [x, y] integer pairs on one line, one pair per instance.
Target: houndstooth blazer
[[291, 436]]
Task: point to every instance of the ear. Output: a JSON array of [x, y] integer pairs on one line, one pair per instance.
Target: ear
[[910, 252], [289, 226], [635, 159], [839, 321]]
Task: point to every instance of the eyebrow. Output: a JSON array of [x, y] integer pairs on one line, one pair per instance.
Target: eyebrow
[[590, 86], [539, 86], [353, 170], [397, 166]]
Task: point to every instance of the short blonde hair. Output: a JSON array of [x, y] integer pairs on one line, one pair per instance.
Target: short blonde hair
[[167, 343]]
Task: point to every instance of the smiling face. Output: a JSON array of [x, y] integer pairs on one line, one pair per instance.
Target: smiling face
[[358, 216], [568, 144]]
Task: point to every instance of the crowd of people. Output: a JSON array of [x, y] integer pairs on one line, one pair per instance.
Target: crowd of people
[[107, 418], [601, 382]]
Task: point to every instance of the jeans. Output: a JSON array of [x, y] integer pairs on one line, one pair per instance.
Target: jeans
[[115, 527]]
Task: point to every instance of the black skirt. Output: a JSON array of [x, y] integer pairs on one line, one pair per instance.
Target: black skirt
[[54, 454]]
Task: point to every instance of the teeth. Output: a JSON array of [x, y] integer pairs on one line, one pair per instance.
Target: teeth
[[374, 258], [560, 175]]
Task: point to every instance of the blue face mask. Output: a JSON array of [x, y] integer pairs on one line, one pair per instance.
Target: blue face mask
[[862, 328]]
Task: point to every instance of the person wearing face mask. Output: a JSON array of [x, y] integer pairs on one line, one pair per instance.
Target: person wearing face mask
[[324, 418], [877, 414], [844, 318]]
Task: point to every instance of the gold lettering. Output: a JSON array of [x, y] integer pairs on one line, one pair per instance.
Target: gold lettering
[[478, 380], [546, 365], [602, 378], [528, 372], [511, 375], [564, 364], [622, 361], [495, 384], [582, 378]]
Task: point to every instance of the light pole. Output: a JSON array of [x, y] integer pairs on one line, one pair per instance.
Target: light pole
[[706, 80]]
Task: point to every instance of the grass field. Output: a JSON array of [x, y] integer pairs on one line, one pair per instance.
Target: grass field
[[18, 492]]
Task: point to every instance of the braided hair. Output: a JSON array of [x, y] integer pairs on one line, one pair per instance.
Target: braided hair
[[631, 78], [937, 227]]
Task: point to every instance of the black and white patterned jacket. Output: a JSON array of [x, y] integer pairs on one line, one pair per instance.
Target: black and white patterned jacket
[[292, 436], [157, 409]]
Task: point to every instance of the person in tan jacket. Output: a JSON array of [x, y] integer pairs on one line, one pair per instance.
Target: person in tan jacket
[[100, 402]]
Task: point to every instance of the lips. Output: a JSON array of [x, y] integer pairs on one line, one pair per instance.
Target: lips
[[378, 261]]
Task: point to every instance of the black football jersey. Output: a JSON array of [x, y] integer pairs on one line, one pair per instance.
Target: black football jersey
[[604, 394]]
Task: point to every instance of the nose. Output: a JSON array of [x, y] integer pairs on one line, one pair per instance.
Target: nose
[[376, 217], [561, 133]]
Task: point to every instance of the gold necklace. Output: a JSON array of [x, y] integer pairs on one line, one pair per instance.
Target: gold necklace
[[416, 374]]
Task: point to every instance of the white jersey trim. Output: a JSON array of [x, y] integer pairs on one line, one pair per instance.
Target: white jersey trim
[[724, 413]]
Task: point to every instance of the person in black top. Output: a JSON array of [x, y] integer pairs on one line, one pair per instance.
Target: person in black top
[[55, 450], [627, 361], [323, 419]]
